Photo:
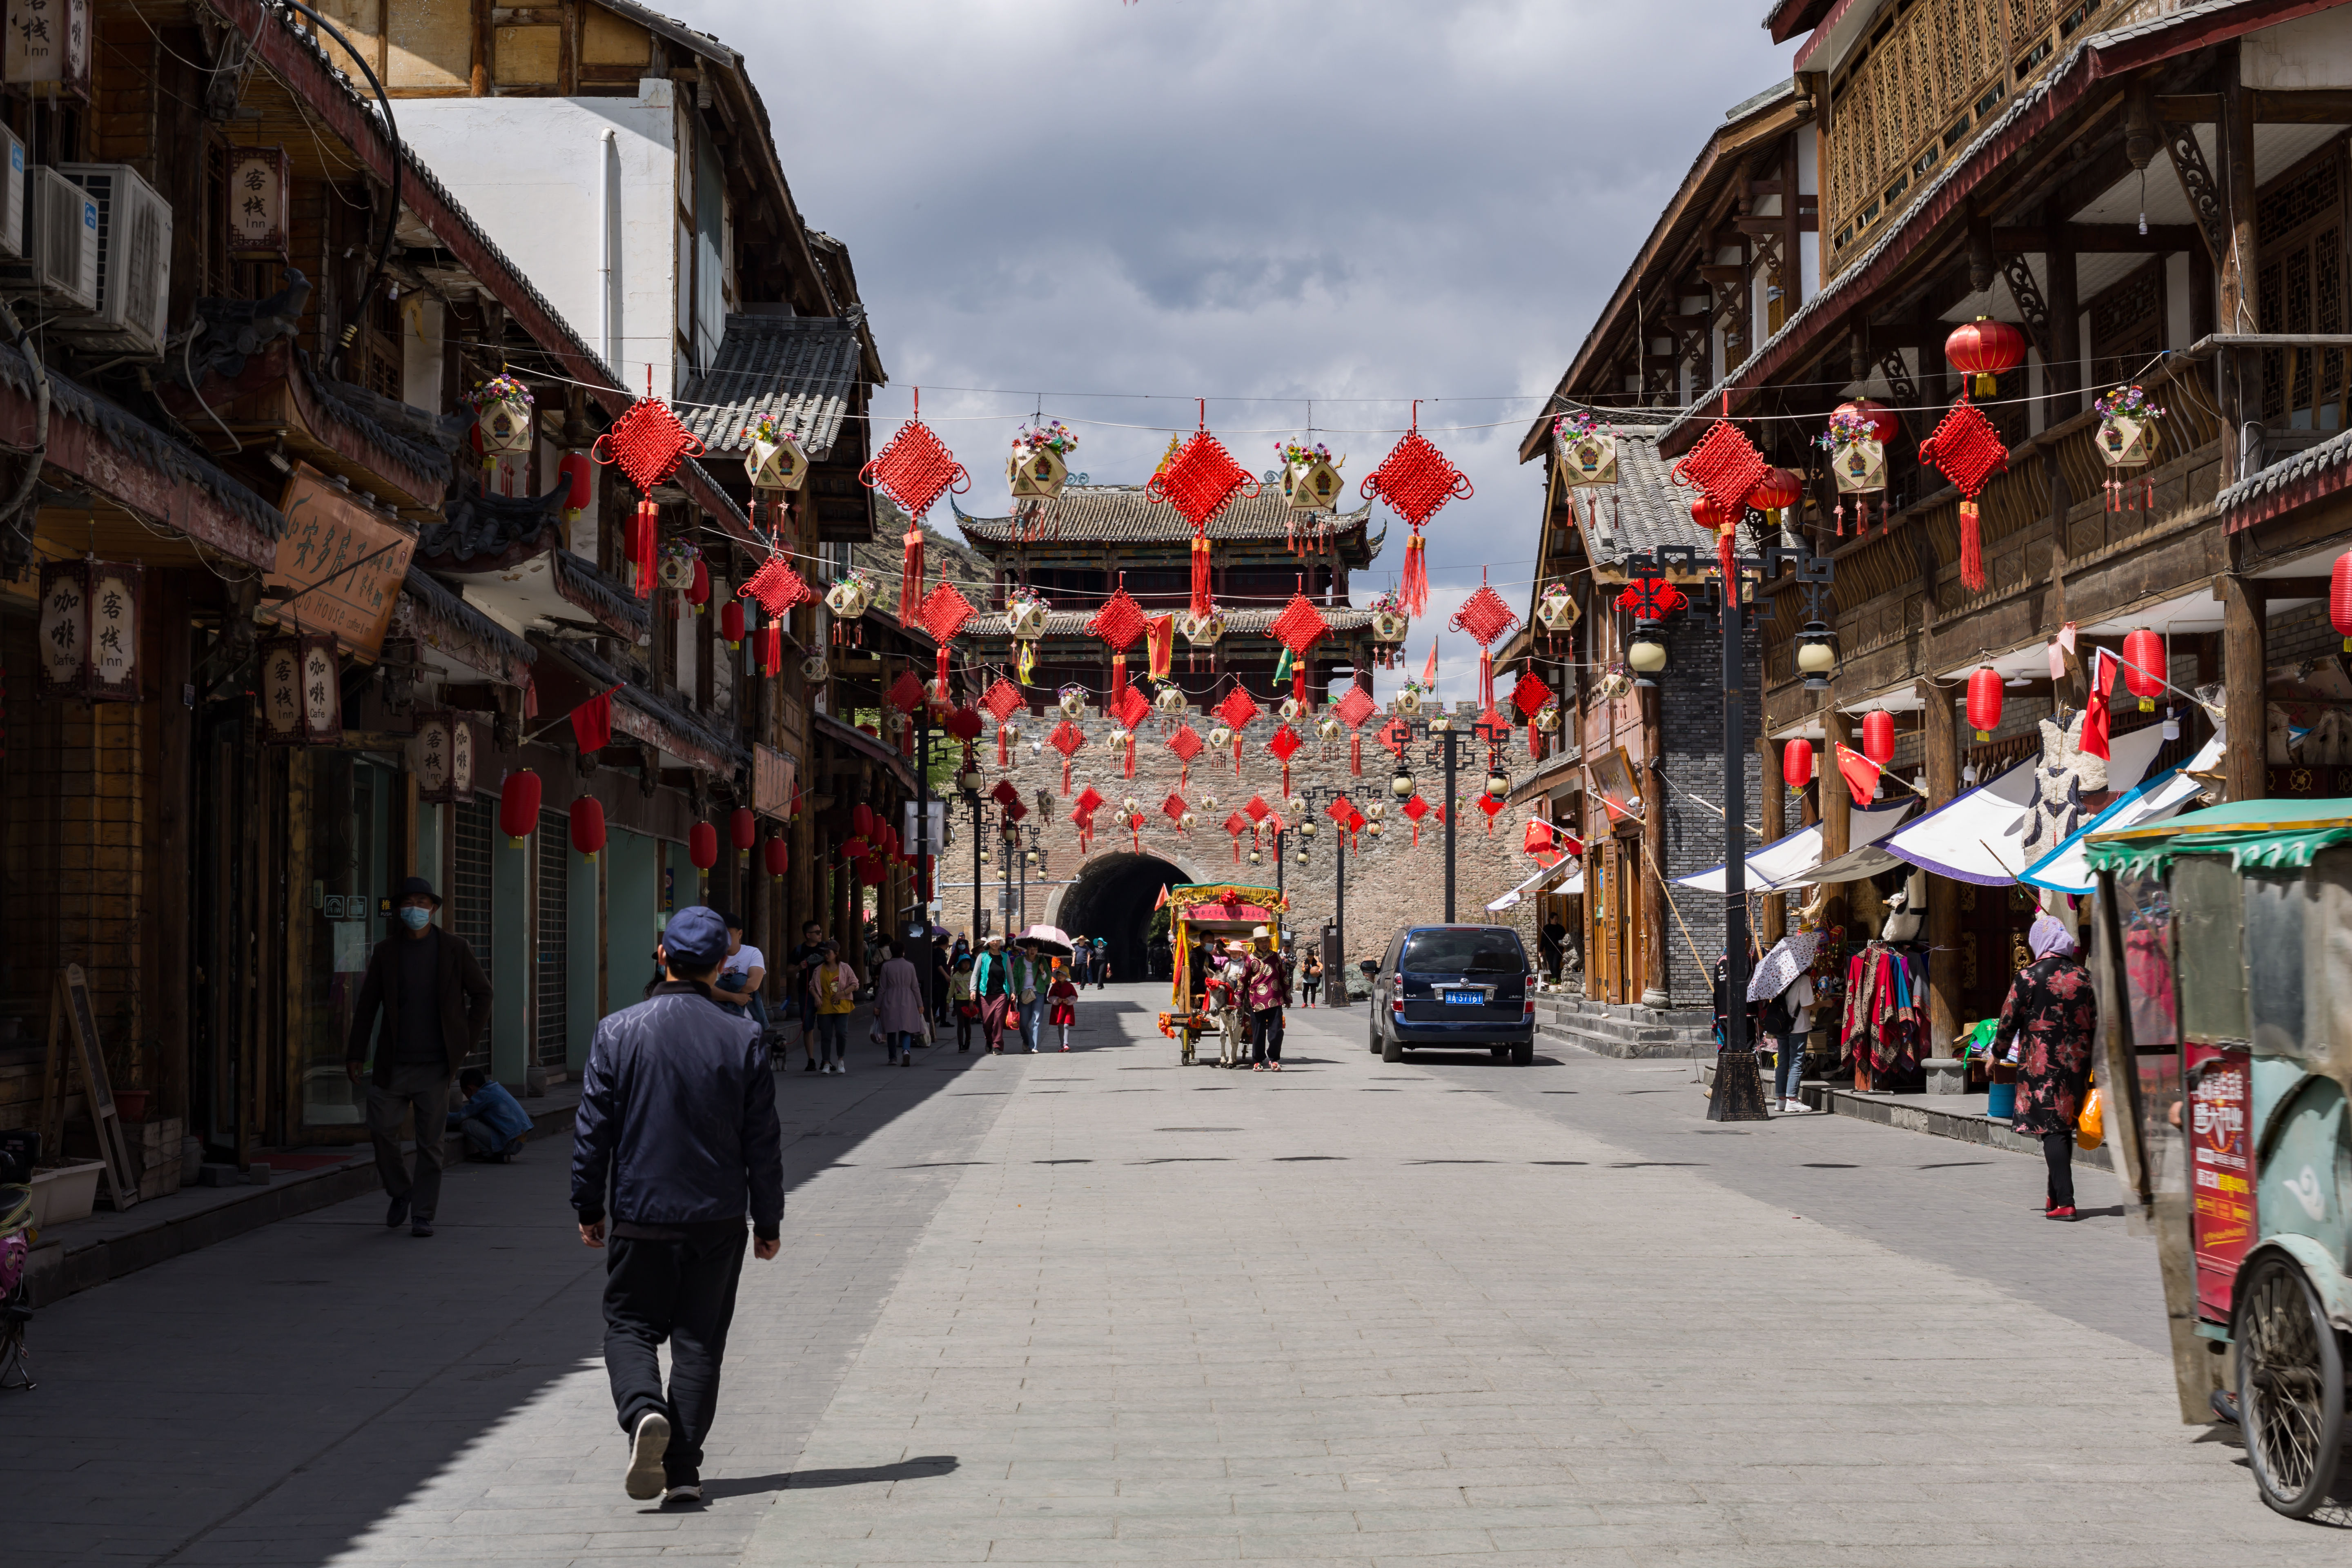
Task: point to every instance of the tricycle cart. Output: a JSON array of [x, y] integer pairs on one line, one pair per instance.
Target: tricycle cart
[[1203, 1002], [2227, 936]]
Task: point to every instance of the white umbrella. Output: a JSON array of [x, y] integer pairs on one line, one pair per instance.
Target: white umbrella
[[1050, 938]]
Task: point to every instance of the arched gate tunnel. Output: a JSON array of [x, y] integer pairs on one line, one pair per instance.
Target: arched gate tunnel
[[1112, 898]]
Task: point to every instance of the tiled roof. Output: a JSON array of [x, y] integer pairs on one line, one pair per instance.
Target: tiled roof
[[1647, 509], [584, 585], [438, 602], [477, 526], [802, 369], [1242, 623], [2309, 463], [1120, 514]]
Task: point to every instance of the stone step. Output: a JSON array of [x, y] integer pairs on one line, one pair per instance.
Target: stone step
[[1921, 1113]]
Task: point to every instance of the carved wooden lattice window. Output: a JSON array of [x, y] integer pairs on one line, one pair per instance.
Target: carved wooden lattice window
[[2128, 325], [2299, 224]]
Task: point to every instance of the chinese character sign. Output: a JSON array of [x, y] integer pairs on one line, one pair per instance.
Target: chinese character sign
[[281, 690], [322, 691], [344, 562], [255, 193], [47, 43], [429, 755], [89, 630]]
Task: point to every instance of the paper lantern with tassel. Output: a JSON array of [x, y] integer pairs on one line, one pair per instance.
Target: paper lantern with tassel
[[588, 827], [2339, 598], [2144, 666], [698, 591], [776, 856], [1878, 736], [518, 806], [1985, 349], [1984, 702], [580, 484], [731, 623], [744, 828], [702, 845], [1797, 764]]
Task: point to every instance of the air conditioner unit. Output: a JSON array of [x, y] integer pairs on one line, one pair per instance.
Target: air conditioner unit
[[12, 195], [58, 268], [134, 261]]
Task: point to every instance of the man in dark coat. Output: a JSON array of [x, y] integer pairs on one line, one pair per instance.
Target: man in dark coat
[[677, 1115], [436, 1004]]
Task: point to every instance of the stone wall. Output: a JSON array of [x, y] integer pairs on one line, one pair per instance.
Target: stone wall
[[1388, 882], [1691, 712]]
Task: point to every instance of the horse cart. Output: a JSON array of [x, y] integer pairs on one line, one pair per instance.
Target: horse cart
[[1203, 918]]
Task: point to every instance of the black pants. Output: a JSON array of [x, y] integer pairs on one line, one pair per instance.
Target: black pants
[[1265, 1033], [2058, 1148], [682, 1291]]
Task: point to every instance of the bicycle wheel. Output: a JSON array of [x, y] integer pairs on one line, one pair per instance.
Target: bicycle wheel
[[2290, 1387]]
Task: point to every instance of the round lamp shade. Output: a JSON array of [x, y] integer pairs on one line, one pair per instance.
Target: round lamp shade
[[1985, 349], [1646, 655], [1776, 490]]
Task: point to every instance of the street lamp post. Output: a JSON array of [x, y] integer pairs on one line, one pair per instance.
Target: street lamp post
[[1442, 735], [1315, 797]]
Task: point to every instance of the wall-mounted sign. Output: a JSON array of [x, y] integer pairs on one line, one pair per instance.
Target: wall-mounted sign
[[255, 196], [301, 691], [441, 755], [89, 633], [772, 774], [341, 562], [47, 45]]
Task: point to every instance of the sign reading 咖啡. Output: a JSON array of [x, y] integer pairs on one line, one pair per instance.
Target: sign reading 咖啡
[[342, 563]]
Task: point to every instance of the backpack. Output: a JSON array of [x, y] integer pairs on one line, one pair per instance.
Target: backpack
[[1777, 1019]]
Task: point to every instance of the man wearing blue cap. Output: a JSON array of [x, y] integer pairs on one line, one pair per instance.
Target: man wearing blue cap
[[678, 1109]]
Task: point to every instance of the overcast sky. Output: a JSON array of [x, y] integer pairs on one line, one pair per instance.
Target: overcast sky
[[1260, 202]]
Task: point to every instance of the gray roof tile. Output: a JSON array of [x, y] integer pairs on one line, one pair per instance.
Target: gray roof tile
[[802, 369], [1123, 514]]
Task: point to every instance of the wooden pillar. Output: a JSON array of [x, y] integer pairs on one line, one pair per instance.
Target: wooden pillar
[[1775, 822], [2242, 685], [1655, 993], [2241, 307], [1942, 746], [170, 790], [2062, 369]]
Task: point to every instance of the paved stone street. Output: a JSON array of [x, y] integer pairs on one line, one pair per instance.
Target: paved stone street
[[1355, 1313]]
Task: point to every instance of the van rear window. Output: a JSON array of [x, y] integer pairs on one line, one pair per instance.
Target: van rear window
[[1479, 951]]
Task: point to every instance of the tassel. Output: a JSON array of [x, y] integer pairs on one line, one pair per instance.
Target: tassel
[[1413, 593], [944, 649], [1184, 775], [1531, 743], [645, 529], [1486, 679], [1724, 562], [1285, 780], [1237, 752], [1416, 836], [1355, 754], [1027, 665], [771, 652], [1237, 848], [1118, 682], [910, 582], [1134, 833], [1066, 775], [1972, 575], [1202, 605], [1298, 683], [1003, 745], [1130, 758]]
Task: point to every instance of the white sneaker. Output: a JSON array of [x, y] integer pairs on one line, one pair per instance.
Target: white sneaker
[[646, 1447], [687, 1491]]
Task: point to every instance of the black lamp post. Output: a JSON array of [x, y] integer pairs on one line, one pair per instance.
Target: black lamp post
[[968, 781], [1442, 734]]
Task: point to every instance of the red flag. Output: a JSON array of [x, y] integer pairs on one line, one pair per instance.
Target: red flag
[[592, 722], [1429, 670], [2095, 720], [1162, 902], [1860, 773]]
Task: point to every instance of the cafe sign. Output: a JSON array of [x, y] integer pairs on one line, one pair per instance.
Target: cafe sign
[[301, 691], [441, 756], [88, 631], [339, 564]]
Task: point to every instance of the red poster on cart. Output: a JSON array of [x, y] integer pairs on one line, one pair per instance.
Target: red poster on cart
[[2220, 1171]]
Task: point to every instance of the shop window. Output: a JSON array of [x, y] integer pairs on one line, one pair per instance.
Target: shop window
[[553, 848], [349, 851], [2300, 226]]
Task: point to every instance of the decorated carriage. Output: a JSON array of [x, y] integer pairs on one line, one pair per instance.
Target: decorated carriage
[[1206, 999]]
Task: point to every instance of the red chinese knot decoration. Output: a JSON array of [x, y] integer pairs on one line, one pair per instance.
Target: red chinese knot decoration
[[1186, 744], [1485, 616], [1415, 478], [647, 443], [1118, 623], [1069, 739], [1237, 710], [916, 468], [1298, 629], [1352, 710], [1284, 746], [1200, 479], [1966, 450]]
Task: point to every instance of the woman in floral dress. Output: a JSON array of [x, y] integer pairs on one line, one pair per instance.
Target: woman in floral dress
[[2046, 1027]]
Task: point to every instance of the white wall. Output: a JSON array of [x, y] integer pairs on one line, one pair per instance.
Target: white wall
[[2310, 51], [422, 319], [530, 171]]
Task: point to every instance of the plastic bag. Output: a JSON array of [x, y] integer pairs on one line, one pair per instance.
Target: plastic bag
[[2091, 1127]]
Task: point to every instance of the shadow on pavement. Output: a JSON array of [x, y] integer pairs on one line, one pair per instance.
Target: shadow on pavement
[[869, 1475]]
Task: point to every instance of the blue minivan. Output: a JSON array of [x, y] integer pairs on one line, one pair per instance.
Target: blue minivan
[[1454, 988]]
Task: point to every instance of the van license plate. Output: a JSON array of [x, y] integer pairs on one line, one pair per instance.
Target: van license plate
[[1465, 998]]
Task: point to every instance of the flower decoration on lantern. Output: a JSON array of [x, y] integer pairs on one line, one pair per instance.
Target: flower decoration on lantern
[[1856, 442], [775, 465], [1390, 626], [851, 596], [502, 421], [1587, 451], [1037, 469], [1410, 697], [2127, 440], [1311, 488]]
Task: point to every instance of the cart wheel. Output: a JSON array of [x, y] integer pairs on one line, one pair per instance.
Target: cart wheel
[[2290, 1387]]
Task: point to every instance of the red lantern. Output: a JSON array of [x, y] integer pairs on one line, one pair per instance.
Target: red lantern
[[1984, 702], [744, 829], [1878, 736], [2145, 667], [588, 825], [777, 856], [861, 820], [1985, 349], [1884, 425], [731, 623], [2339, 598], [697, 593], [1712, 515], [581, 473], [856, 848], [1797, 764], [702, 845], [518, 806], [1778, 489]]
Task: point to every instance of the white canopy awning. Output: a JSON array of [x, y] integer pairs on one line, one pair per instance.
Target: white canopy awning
[[1789, 862], [1980, 836], [2064, 868], [1567, 871]]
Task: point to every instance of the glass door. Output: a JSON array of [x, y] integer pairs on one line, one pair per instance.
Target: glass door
[[349, 851]]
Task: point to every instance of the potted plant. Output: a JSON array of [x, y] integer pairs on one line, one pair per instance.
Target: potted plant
[[1310, 479], [1039, 466], [775, 462], [851, 596], [2127, 433], [1587, 449]]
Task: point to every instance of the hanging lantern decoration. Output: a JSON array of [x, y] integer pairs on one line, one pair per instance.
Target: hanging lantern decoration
[[730, 624], [915, 468], [1530, 696], [1310, 479], [698, 585], [1117, 623], [1485, 618], [1797, 763], [1415, 478], [851, 596], [1237, 710], [743, 831], [1284, 745], [1878, 736], [815, 670], [1857, 452], [1039, 465], [1985, 698], [502, 421], [944, 612], [1587, 451], [1201, 633], [518, 806], [1328, 727], [2145, 667], [1406, 703], [1984, 349], [1069, 739], [647, 443], [1200, 479], [1966, 450], [89, 630], [579, 484], [2339, 598], [702, 845], [301, 691], [1391, 624], [776, 465], [1778, 490], [776, 858], [1557, 613], [1169, 700], [2127, 440], [1072, 702], [588, 827], [1354, 706]]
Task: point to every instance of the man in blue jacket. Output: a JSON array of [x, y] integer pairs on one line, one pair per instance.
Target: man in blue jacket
[[678, 1108]]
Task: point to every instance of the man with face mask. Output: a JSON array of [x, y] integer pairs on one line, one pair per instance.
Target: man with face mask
[[436, 1004]]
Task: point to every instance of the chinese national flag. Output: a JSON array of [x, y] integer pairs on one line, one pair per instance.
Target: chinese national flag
[[1860, 773]]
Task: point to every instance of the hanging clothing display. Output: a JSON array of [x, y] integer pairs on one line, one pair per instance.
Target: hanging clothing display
[[1886, 989]]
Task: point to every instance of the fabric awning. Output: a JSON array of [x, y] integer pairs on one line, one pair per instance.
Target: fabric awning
[[1981, 836], [1791, 862], [1541, 882], [2066, 870]]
